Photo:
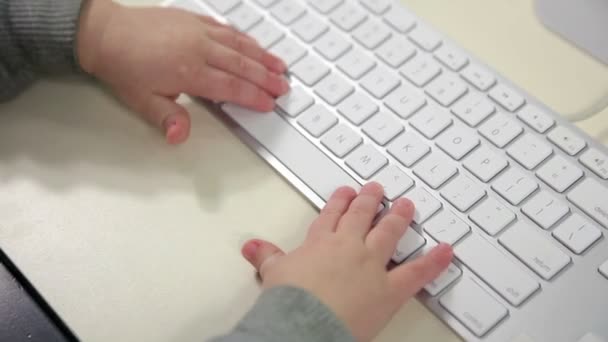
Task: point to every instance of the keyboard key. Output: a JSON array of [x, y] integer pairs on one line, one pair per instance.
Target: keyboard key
[[590, 197], [473, 306], [287, 11], [377, 6], [536, 118], [534, 250], [446, 89], [420, 70], [357, 108], [408, 245], [425, 37], [430, 121], [500, 130], [380, 81], [310, 70], [444, 280], [596, 161], [382, 128], [408, 149], [266, 3], [485, 164], [494, 268], [355, 64], [451, 57], [223, 6], [604, 269], [514, 186], [309, 28], [529, 151], [400, 19], [317, 120], [507, 97], [288, 50], [266, 34], [545, 210], [371, 34], [333, 89], [341, 140], [457, 142], [295, 102], [405, 101], [348, 16], [332, 45], [396, 51], [567, 140], [473, 109], [492, 216], [435, 170], [462, 193], [325, 6], [446, 227], [577, 233], [478, 76], [244, 17], [426, 205], [559, 173], [395, 182], [366, 161]]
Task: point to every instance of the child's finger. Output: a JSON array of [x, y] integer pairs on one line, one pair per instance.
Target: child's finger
[[211, 21], [360, 214], [261, 254], [383, 239], [330, 215]]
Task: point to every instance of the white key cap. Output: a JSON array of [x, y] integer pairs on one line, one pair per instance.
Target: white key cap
[[604, 269], [492, 216], [507, 97], [333, 89], [500, 129], [408, 149], [446, 89], [287, 11], [596, 161], [310, 70], [493, 267], [400, 19], [408, 245], [355, 64], [420, 70], [567, 140], [473, 306], [317, 120], [309, 28], [430, 121], [545, 210], [341, 140], [457, 142], [366, 161], [348, 16], [382, 128], [514, 186], [405, 101], [371, 34], [462, 193], [451, 57], [396, 51], [380, 81], [288, 50], [485, 164], [478, 76], [377, 6], [357, 108], [536, 118], [559, 173], [529, 151], [425, 37], [325, 6], [223, 6], [444, 280], [577, 233], [332, 45], [446, 227], [295, 102], [590, 197], [244, 17], [534, 250], [266, 34], [435, 170], [266, 3], [473, 109], [395, 182], [426, 205]]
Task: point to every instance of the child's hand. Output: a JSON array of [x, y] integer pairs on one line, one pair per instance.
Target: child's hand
[[343, 261], [148, 56]]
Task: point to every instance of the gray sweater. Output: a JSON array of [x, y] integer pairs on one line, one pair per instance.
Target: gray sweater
[[37, 37]]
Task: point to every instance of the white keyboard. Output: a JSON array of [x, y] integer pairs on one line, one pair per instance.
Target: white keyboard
[[379, 95]]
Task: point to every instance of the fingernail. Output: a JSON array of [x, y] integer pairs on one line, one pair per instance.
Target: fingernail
[[169, 122], [284, 86], [251, 249], [441, 250]]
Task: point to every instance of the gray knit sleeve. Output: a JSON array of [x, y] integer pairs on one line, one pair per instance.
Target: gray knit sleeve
[[36, 36], [288, 314]]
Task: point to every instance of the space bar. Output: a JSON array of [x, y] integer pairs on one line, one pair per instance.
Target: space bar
[[290, 147]]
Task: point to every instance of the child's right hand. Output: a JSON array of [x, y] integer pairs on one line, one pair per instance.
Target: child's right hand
[[343, 261]]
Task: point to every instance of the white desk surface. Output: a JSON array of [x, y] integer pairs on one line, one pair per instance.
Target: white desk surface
[[133, 240]]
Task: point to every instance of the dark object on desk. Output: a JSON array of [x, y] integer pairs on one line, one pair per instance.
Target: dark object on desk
[[24, 315]]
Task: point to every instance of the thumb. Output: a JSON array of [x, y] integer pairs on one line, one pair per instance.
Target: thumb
[[261, 254]]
